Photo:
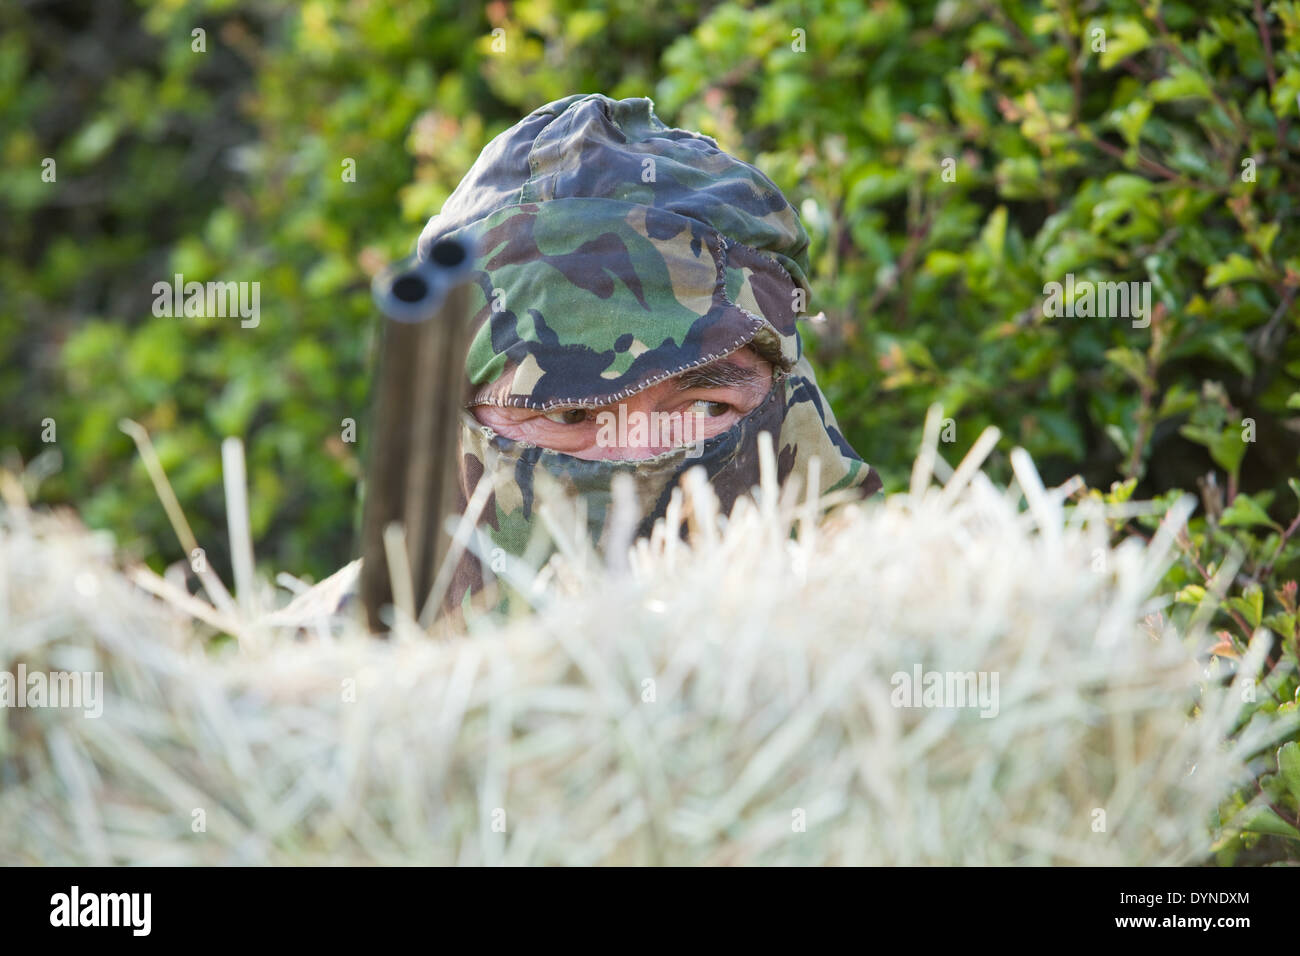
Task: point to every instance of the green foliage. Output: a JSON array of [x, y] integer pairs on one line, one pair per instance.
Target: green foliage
[[1119, 165], [950, 159], [1225, 582]]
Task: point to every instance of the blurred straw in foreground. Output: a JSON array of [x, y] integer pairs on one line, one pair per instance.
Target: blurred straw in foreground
[[726, 701]]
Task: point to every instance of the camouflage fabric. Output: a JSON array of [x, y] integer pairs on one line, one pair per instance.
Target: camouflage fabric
[[587, 301], [616, 252], [794, 412]]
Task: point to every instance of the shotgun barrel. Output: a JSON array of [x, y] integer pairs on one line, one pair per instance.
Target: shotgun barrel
[[412, 475]]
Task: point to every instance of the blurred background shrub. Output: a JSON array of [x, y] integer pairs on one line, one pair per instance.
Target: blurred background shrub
[[1128, 164], [949, 159]]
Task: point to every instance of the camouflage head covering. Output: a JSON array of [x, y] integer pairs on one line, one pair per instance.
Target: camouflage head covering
[[617, 252]]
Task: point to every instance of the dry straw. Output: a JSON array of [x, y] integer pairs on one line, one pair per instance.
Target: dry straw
[[726, 701]]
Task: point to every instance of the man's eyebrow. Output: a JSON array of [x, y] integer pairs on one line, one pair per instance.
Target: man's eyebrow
[[719, 374]]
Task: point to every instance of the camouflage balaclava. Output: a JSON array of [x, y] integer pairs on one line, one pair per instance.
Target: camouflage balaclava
[[616, 252]]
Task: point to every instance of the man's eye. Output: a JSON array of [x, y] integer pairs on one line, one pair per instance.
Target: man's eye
[[712, 409], [566, 416]]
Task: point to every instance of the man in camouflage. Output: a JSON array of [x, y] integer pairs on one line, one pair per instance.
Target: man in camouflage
[[627, 269]]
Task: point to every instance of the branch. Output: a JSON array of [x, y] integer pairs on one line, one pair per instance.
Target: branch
[[1150, 164], [1265, 334], [1265, 571], [1269, 70]]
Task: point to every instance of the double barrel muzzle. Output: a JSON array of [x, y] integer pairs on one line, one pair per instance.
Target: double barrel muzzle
[[413, 290], [412, 476]]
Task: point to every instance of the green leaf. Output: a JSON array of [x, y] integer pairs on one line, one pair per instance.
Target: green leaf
[[1132, 362], [1262, 238], [1225, 446], [1288, 765], [1232, 269], [1182, 83], [995, 233], [940, 263], [1245, 512], [1121, 440], [1131, 119], [1176, 401], [1283, 624], [1250, 605], [877, 116], [1120, 491], [1124, 38], [1264, 820], [94, 139], [1231, 347], [1288, 768]]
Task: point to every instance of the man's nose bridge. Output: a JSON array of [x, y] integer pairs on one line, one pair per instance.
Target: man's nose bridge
[[640, 406]]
